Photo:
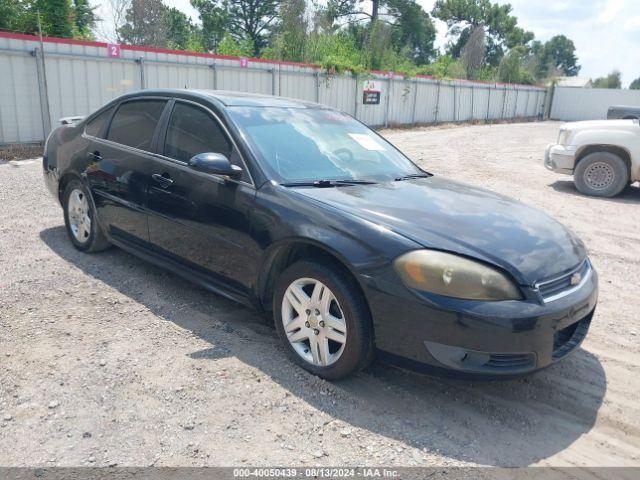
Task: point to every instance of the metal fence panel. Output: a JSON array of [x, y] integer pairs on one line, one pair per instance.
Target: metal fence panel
[[589, 103], [480, 103], [338, 91], [426, 100], [446, 103], [80, 77], [298, 85], [20, 110], [401, 102], [464, 103]]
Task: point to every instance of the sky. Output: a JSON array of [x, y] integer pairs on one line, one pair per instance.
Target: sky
[[606, 32]]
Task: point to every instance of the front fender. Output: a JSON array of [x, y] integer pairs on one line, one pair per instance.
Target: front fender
[[626, 140], [284, 219]]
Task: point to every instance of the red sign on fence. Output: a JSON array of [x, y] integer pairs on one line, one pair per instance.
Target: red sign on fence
[[114, 50], [244, 62]]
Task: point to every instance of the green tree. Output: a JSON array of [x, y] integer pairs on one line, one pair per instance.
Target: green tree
[[501, 28], [613, 80], [252, 20], [635, 85], [56, 17], [152, 23], [230, 46], [214, 19], [388, 32], [413, 30], [338, 50], [511, 69], [291, 32], [560, 53], [12, 15], [245, 20], [444, 67], [84, 18], [473, 53], [181, 33], [145, 24], [355, 10]]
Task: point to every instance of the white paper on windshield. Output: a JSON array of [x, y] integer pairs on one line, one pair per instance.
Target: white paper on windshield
[[367, 142]]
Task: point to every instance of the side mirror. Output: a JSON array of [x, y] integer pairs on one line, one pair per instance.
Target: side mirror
[[214, 164]]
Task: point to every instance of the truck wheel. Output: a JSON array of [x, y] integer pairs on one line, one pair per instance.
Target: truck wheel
[[601, 174]]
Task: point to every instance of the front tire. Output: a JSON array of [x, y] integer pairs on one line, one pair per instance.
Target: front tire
[[81, 220], [601, 174], [323, 320]]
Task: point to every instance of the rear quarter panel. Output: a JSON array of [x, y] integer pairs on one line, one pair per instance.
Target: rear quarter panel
[[65, 152]]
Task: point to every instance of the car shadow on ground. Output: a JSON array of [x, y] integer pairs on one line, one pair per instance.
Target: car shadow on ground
[[507, 423], [631, 194]]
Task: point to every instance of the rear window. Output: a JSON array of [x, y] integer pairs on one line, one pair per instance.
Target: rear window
[[95, 127], [135, 122]]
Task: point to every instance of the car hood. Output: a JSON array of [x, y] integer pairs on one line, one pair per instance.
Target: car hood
[[443, 214], [631, 125]]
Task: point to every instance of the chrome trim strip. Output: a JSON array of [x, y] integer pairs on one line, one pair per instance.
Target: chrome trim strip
[[559, 277], [571, 290]]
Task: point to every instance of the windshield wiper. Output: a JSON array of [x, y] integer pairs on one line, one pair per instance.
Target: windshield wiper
[[413, 175], [327, 183]]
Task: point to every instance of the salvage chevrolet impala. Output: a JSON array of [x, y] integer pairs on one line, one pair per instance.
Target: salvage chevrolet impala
[[301, 211]]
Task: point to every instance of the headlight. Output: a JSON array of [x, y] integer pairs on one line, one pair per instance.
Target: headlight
[[454, 276], [563, 137]]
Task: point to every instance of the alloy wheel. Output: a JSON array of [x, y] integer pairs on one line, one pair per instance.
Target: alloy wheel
[[78, 212], [314, 322]]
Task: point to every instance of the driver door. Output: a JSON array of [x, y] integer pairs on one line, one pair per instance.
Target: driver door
[[197, 219]]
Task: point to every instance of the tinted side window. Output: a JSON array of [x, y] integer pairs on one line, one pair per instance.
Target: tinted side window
[[191, 131], [134, 123], [95, 127]]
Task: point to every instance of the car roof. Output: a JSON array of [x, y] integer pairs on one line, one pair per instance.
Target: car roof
[[230, 99]]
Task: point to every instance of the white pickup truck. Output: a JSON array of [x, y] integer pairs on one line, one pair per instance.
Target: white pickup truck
[[602, 155]]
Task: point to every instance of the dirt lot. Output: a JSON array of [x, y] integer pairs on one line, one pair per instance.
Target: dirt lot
[[105, 360]]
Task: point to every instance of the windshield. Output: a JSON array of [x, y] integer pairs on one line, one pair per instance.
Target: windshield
[[302, 144]]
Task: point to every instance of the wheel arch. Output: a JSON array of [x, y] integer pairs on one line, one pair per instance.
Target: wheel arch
[[285, 253], [62, 185], [622, 152], [64, 181]]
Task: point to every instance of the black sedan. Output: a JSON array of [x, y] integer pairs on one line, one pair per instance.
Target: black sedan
[[301, 211]]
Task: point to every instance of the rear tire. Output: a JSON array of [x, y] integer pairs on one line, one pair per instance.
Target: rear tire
[[81, 220], [601, 174], [309, 300]]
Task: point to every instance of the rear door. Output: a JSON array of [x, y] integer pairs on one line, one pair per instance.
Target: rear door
[[198, 219], [120, 166]]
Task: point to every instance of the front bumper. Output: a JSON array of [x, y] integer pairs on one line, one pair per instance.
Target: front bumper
[[472, 338], [560, 159]]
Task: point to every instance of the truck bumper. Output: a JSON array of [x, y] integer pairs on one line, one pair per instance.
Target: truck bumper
[[560, 159]]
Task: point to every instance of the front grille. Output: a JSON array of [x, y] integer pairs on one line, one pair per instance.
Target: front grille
[[558, 287], [569, 338], [510, 361]]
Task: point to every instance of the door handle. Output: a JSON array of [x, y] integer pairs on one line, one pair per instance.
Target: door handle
[[162, 180], [94, 155]]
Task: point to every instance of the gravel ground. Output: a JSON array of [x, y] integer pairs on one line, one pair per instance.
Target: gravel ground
[[106, 360]]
